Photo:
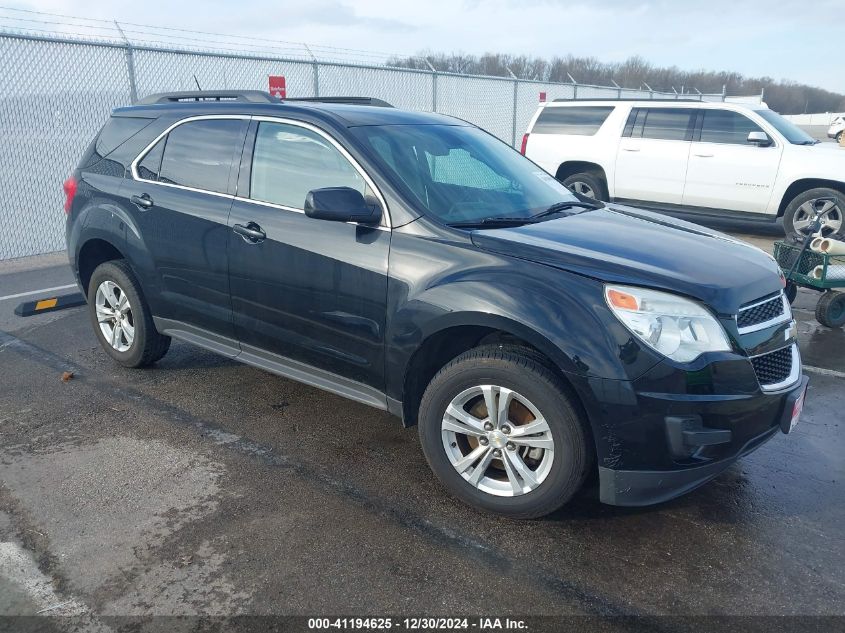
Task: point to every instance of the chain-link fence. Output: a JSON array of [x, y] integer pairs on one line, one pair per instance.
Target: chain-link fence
[[58, 92]]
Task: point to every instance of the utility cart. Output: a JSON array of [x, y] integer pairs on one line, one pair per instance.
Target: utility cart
[[822, 272]]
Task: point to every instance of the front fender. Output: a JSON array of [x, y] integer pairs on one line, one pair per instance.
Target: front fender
[[562, 314]]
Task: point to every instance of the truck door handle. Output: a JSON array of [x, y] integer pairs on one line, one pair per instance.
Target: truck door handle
[[704, 155], [251, 232], [630, 149], [142, 202]]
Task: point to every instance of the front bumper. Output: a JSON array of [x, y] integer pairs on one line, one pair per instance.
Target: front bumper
[[727, 429]]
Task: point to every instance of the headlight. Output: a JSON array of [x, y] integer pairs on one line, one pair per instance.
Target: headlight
[[676, 327]]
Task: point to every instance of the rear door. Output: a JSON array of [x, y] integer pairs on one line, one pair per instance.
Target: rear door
[[725, 171], [181, 193], [651, 162], [312, 291]]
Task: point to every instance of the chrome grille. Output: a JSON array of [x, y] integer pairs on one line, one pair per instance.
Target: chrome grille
[[763, 314], [775, 367]]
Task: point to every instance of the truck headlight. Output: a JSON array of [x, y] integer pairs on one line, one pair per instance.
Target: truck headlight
[[671, 325]]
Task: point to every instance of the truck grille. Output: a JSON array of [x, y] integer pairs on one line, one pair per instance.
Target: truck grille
[[759, 313], [775, 367]]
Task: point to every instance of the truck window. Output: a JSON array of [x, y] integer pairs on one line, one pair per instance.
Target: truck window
[[724, 126], [579, 120]]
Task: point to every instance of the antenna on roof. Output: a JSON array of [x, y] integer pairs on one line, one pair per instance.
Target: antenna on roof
[[197, 82]]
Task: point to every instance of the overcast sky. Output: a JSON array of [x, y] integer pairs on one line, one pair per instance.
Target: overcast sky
[[799, 40]]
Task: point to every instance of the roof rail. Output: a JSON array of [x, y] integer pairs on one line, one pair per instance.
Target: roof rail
[[658, 100], [370, 101], [249, 96]]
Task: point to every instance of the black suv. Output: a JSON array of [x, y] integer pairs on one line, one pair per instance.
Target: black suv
[[413, 262]]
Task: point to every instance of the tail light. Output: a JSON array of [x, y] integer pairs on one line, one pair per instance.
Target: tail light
[[524, 144], [70, 192]]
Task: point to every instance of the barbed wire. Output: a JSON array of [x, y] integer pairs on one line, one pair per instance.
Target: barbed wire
[[148, 34]]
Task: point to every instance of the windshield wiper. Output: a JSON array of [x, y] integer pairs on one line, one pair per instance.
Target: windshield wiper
[[557, 207], [491, 222]]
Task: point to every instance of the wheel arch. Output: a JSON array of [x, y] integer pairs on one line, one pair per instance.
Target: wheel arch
[[463, 332], [92, 253], [805, 184], [570, 167]]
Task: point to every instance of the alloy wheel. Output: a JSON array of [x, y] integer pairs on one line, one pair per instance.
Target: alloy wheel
[[830, 213], [497, 440], [114, 315], [583, 188]]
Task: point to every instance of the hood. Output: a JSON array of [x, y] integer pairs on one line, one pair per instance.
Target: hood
[[624, 245]]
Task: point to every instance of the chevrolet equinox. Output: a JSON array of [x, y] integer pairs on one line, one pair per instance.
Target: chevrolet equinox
[[415, 263]]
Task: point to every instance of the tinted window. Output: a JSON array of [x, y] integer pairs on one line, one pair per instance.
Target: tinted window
[[199, 154], [724, 126], [583, 120], [149, 167], [671, 124], [117, 131], [289, 161]]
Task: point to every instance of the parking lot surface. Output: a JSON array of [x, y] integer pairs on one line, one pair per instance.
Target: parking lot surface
[[203, 486]]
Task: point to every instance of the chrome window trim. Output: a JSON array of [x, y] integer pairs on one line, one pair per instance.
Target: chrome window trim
[[794, 372], [133, 166], [783, 318]]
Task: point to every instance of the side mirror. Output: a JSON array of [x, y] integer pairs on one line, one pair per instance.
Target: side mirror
[[340, 204], [760, 139]]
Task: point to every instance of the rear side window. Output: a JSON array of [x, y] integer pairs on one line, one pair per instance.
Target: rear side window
[[669, 124], [289, 161], [117, 131], [724, 126], [578, 120], [200, 154]]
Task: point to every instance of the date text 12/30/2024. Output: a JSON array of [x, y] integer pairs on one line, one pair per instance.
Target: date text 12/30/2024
[[417, 624]]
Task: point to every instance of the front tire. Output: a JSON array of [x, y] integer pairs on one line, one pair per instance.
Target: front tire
[[121, 318], [528, 457], [801, 209], [588, 184]]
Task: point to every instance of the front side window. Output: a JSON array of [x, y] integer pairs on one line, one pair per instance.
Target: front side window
[[724, 126], [460, 173], [669, 124], [578, 120], [200, 154], [289, 161]]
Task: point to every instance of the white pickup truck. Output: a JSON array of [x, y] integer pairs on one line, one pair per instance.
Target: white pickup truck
[[691, 157]]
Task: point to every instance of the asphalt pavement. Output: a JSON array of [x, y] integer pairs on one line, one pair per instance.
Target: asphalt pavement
[[201, 486]]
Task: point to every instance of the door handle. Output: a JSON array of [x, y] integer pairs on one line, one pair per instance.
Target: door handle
[[143, 201], [630, 149], [251, 232], [704, 155]]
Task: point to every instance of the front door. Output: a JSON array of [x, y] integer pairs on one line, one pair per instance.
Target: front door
[[307, 290], [727, 172], [651, 162]]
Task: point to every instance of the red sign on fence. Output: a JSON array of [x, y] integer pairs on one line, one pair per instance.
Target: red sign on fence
[[277, 86]]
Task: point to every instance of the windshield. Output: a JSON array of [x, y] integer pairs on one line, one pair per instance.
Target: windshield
[[461, 174], [790, 131]]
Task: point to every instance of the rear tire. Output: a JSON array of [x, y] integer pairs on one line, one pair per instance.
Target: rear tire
[[121, 317], [556, 451], [798, 213], [830, 310], [588, 184]]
